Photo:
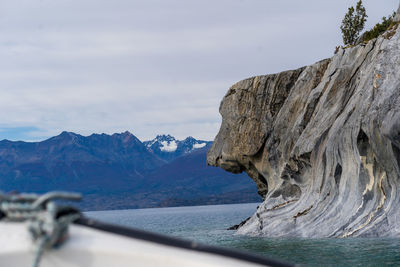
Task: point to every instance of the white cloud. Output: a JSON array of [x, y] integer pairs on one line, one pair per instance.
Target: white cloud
[[150, 66]]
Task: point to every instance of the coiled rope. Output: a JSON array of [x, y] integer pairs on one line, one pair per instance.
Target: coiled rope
[[48, 221]]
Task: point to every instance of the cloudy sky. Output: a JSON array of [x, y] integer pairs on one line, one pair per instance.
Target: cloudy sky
[[150, 66]]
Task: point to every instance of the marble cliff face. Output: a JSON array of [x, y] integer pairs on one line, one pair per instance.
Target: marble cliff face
[[322, 143]]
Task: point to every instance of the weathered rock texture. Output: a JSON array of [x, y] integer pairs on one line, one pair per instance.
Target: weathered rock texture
[[397, 16], [322, 143]]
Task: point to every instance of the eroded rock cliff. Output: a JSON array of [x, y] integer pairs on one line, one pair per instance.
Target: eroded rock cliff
[[322, 143]]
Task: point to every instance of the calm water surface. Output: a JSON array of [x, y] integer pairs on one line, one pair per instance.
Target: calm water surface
[[207, 224]]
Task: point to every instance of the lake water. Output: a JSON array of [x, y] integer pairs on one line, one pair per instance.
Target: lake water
[[207, 224]]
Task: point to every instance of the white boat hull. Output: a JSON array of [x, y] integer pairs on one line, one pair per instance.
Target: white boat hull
[[92, 247]]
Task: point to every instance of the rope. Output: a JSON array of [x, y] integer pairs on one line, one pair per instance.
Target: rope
[[48, 222]]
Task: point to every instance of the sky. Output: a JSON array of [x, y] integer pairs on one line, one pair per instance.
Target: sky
[[152, 66]]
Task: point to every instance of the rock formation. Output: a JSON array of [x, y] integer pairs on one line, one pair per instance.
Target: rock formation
[[397, 16], [322, 143]]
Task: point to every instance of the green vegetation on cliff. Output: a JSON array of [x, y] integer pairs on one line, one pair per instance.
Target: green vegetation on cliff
[[353, 23], [379, 28]]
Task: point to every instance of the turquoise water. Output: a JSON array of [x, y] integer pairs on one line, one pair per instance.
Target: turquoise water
[[207, 224]]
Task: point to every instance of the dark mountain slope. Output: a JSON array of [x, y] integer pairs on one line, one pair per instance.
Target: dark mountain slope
[[188, 180], [100, 163]]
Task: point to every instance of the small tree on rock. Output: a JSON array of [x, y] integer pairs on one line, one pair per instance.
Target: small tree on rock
[[353, 23]]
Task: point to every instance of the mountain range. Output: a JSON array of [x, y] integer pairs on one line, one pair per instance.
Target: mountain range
[[119, 171], [168, 148]]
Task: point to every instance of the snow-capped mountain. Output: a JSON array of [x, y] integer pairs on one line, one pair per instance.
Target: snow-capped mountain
[[168, 148]]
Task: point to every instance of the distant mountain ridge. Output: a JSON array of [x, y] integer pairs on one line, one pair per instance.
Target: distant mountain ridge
[[120, 171], [69, 161], [168, 148]]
